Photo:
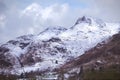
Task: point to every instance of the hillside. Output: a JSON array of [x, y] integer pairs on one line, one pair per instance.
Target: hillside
[[99, 63]]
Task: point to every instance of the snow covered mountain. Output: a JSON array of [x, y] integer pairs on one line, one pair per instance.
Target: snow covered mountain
[[53, 47]]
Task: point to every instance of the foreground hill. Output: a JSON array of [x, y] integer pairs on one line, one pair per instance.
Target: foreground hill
[[102, 62]]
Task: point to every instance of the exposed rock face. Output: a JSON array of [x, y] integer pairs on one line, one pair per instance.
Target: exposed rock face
[[84, 20]]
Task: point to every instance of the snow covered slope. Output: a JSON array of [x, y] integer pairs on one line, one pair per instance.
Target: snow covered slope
[[53, 47], [86, 33]]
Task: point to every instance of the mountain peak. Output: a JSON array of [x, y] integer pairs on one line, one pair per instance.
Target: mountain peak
[[90, 21], [83, 19]]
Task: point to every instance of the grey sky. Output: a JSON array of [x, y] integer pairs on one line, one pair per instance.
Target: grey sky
[[17, 19]]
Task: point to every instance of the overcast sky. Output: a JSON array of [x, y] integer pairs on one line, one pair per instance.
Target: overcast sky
[[20, 17]]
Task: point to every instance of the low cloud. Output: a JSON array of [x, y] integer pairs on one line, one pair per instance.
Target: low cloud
[[2, 7], [31, 20], [109, 9], [45, 16]]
